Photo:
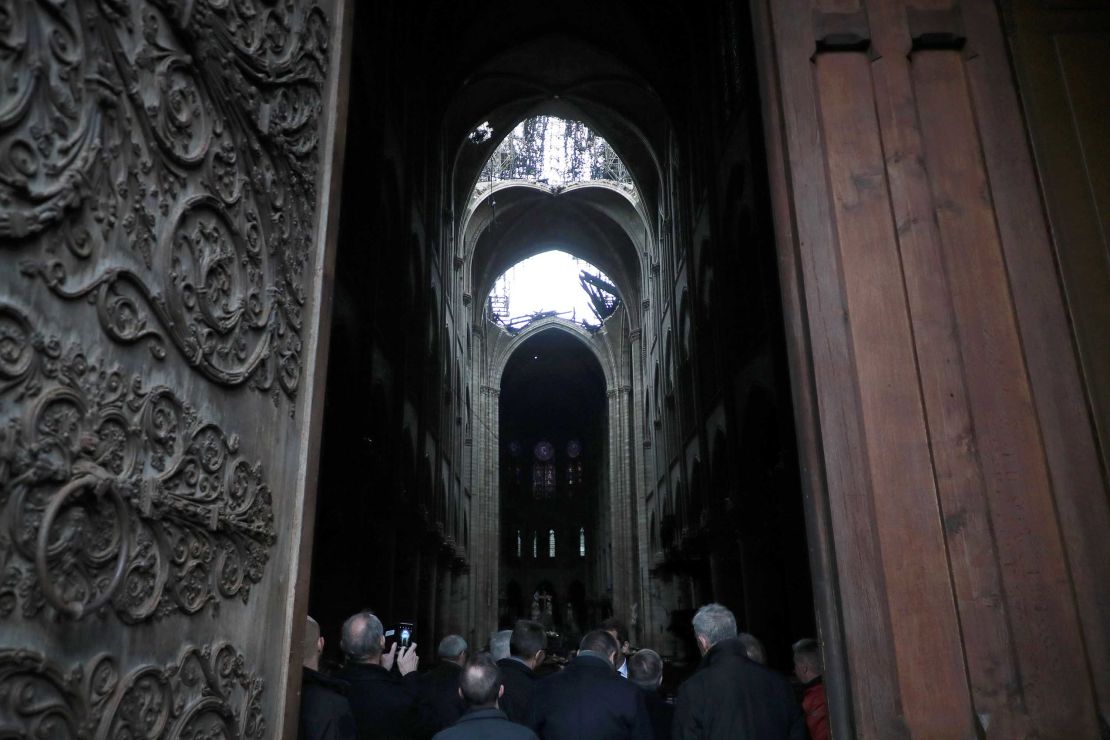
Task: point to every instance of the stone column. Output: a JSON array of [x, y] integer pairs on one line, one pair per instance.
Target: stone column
[[640, 485], [462, 606], [622, 555], [486, 525]]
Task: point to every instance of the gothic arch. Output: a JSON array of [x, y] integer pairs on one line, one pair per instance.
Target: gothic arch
[[553, 323], [590, 223]]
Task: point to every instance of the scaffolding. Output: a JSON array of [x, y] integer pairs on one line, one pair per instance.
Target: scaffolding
[[553, 152]]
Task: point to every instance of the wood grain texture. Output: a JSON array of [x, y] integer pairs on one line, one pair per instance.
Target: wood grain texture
[[1060, 56], [924, 627], [942, 373], [869, 643]]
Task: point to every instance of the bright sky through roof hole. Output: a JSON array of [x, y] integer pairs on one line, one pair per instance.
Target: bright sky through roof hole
[[554, 162], [547, 282]]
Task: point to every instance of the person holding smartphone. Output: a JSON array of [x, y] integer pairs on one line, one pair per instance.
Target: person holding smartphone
[[382, 702]]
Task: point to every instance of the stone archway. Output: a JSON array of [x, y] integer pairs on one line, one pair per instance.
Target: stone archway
[[606, 349]]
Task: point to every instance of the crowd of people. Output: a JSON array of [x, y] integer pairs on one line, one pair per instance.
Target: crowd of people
[[513, 692]]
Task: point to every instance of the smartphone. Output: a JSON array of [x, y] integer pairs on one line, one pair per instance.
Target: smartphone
[[405, 634]]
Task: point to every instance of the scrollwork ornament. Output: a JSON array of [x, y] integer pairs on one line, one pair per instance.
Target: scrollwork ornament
[[207, 692], [114, 495], [160, 158]]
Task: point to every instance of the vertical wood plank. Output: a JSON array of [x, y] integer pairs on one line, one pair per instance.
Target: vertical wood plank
[[973, 558], [874, 681], [1034, 574], [799, 348], [1082, 493], [923, 620]]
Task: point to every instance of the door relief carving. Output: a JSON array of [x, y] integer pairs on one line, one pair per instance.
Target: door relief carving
[[160, 160], [207, 693], [116, 495], [168, 179]]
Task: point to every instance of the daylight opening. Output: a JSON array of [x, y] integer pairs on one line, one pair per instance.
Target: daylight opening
[[551, 151], [552, 283]]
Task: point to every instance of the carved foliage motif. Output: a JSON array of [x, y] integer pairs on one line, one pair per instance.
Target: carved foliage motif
[[207, 693], [116, 495], [159, 158]]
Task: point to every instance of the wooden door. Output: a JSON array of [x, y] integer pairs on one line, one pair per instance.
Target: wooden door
[[165, 214], [937, 390]]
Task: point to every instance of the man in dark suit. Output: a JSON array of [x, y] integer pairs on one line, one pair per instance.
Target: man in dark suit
[[732, 697], [439, 704], [645, 669], [382, 702], [325, 711], [527, 648], [480, 687], [588, 700]]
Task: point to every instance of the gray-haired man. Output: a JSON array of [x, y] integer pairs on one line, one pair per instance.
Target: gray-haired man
[[440, 704], [731, 697], [499, 644], [381, 702]]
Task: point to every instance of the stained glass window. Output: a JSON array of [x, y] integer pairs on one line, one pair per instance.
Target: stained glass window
[[551, 543], [543, 479]]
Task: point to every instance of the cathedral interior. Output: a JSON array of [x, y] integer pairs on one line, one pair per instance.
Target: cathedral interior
[[274, 342], [477, 466], [678, 404]]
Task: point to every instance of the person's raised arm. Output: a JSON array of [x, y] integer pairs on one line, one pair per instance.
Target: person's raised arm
[[388, 658], [407, 659]]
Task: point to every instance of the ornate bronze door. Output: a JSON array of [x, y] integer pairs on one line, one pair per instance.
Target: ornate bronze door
[[165, 172]]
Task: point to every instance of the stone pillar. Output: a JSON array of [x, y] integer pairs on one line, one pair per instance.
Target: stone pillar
[[487, 507], [462, 606], [640, 485], [622, 555]]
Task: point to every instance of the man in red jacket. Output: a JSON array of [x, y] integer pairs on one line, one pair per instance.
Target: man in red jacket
[[808, 667]]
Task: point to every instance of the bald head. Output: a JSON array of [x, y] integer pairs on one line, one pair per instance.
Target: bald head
[[362, 638], [480, 682]]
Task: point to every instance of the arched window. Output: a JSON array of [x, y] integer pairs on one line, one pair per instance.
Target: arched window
[[535, 545], [581, 542], [543, 479], [574, 466], [574, 472], [518, 543], [543, 471], [551, 543]]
